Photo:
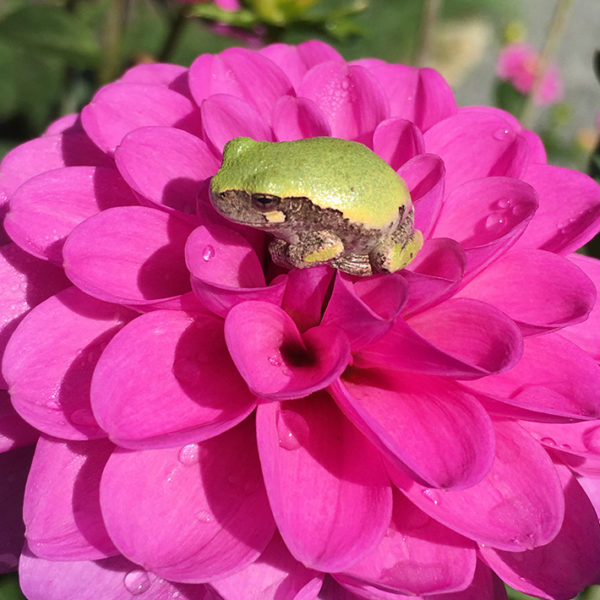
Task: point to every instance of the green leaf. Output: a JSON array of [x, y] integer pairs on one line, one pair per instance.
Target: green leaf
[[50, 30], [9, 587]]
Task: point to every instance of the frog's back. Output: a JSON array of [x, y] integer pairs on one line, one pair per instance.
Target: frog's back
[[333, 173]]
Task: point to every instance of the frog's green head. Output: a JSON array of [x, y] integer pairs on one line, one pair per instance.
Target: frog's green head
[[341, 175]]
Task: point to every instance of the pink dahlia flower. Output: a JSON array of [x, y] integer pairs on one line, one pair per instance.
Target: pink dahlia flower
[[211, 426], [517, 64]]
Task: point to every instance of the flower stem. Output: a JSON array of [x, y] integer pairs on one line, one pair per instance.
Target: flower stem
[[113, 33], [431, 9], [176, 24], [553, 37]]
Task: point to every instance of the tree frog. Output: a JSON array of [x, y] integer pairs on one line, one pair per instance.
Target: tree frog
[[325, 200]]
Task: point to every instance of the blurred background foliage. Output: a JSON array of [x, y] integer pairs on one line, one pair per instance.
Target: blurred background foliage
[[55, 53]]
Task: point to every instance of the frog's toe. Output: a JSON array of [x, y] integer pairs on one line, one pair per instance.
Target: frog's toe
[[388, 259]]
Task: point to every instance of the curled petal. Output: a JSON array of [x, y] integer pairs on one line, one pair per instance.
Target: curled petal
[[225, 117], [113, 578], [424, 175], [350, 496], [235, 71], [71, 148], [119, 108], [460, 338], [485, 216], [479, 142], [518, 506], [275, 574], [427, 425], [417, 555], [349, 96], [181, 355], [585, 334], [58, 126], [40, 227], [130, 255], [165, 166], [26, 281], [434, 274], [365, 310], [553, 376], [50, 379], [539, 290], [64, 521], [226, 270], [419, 95], [165, 74], [277, 361], [298, 118], [205, 513], [564, 566], [581, 437], [569, 212], [397, 141]]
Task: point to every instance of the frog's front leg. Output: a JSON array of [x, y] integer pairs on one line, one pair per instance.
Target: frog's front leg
[[313, 248], [396, 252]]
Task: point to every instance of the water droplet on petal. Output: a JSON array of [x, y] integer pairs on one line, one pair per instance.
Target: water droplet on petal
[[496, 223], [136, 582], [547, 441], [204, 517], [275, 360], [504, 134], [53, 404], [345, 84], [503, 203], [292, 429], [208, 252], [189, 454], [431, 495]]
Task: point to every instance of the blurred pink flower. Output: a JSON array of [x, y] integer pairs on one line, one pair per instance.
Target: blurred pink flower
[[517, 64], [212, 427]]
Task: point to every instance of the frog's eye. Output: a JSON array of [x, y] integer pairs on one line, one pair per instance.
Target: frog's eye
[[265, 201]]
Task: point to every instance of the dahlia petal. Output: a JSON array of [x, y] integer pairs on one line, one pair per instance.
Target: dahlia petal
[[350, 500], [165, 166], [295, 61], [518, 506], [226, 270], [539, 290], [585, 334], [365, 310], [40, 227], [416, 556], [235, 71], [537, 151], [486, 216], [113, 578], [225, 117], [434, 274], [298, 118], [205, 515], [418, 95], [50, 358], [131, 255], [397, 141], [585, 466], [72, 148], [569, 212], [26, 281], [461, 338], [14, 432], [181, 355], [424, 175], [275, 574], [277, 361], [553, 376], [485, 586], [428, 425], [581, 437], [165, 74], [118, 108], [478, 142], [349, 96], [14, 466], [563, 567], [332, 590], [64, 521], [62, 124], [306, 292]]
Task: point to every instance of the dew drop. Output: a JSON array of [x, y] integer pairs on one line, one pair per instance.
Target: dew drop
[[137, 582], [431, 495], [208, 252], [189, 454], [503, 134], [504, 203], [53, 404], [345, 84], [591, 439], [204, 517], [275, 360], [292, 429], [547, 441], [496, 223]]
